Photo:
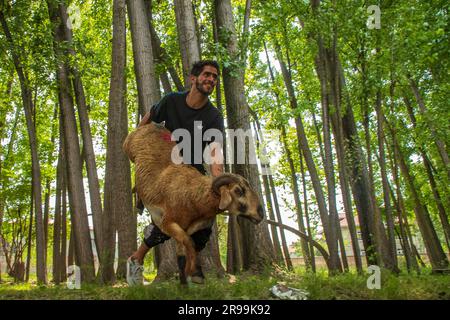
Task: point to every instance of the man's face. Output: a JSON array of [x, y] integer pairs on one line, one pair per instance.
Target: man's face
[[206, 80]]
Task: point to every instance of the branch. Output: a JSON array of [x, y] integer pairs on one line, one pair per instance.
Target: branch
[[302, 235]]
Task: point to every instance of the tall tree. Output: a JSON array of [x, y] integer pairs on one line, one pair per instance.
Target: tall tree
[[306, 151], [257, 248], [88, 148], [118, 199], [437, 257], [78, 210], [28, 106]]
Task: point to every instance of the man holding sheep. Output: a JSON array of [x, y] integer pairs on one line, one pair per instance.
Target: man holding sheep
[[191, 111]]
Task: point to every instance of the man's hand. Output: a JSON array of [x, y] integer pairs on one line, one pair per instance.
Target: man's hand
[[216, 169], [145, 120], [217, 159]]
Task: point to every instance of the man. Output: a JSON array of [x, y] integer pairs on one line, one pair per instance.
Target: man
[[179, 111]]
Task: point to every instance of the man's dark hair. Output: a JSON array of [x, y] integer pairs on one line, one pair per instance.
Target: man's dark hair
[[197, 68]]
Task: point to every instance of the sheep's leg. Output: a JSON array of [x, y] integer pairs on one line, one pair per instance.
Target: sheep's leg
[[175, 231]]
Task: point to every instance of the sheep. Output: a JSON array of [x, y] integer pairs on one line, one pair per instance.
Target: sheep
[[180, 199]]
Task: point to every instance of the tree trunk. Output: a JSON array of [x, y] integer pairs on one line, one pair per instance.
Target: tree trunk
[[298, 203], [257, 247], [36, 169], [435, 253], [144, 68], [329, 95], [64, 224], [423, 110], [371, 225], [83, 246], [166, 260], [283, 236], [411, 263], [29, 239], [118, 204], [345, 189], [305, 149], [160, 53], [268, 191], [293, 176], [57, 222], [88, 148], [384, 179], [245, 31], [167, 87], [429, 169], [187, 37], [305, 203]]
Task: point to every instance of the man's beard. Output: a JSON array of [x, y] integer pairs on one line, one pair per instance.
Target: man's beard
[[199, 87]]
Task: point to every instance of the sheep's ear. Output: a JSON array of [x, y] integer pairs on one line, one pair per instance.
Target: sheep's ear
[[225, 198]]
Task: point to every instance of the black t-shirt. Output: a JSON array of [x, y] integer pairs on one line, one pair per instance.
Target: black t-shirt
[[176, 114]]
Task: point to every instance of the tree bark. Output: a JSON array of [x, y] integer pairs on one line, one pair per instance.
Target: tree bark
[[187, 37], [118, 204], [144, 68]]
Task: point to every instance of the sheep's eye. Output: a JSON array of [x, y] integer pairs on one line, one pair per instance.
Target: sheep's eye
[[239, 192], [242, 207]]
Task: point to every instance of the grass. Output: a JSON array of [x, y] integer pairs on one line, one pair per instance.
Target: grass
[[246, 286]]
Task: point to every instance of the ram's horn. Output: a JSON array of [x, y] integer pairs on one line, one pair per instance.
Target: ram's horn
[[222, 180]]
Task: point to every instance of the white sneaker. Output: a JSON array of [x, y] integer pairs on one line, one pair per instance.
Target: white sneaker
[[134, 273]]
